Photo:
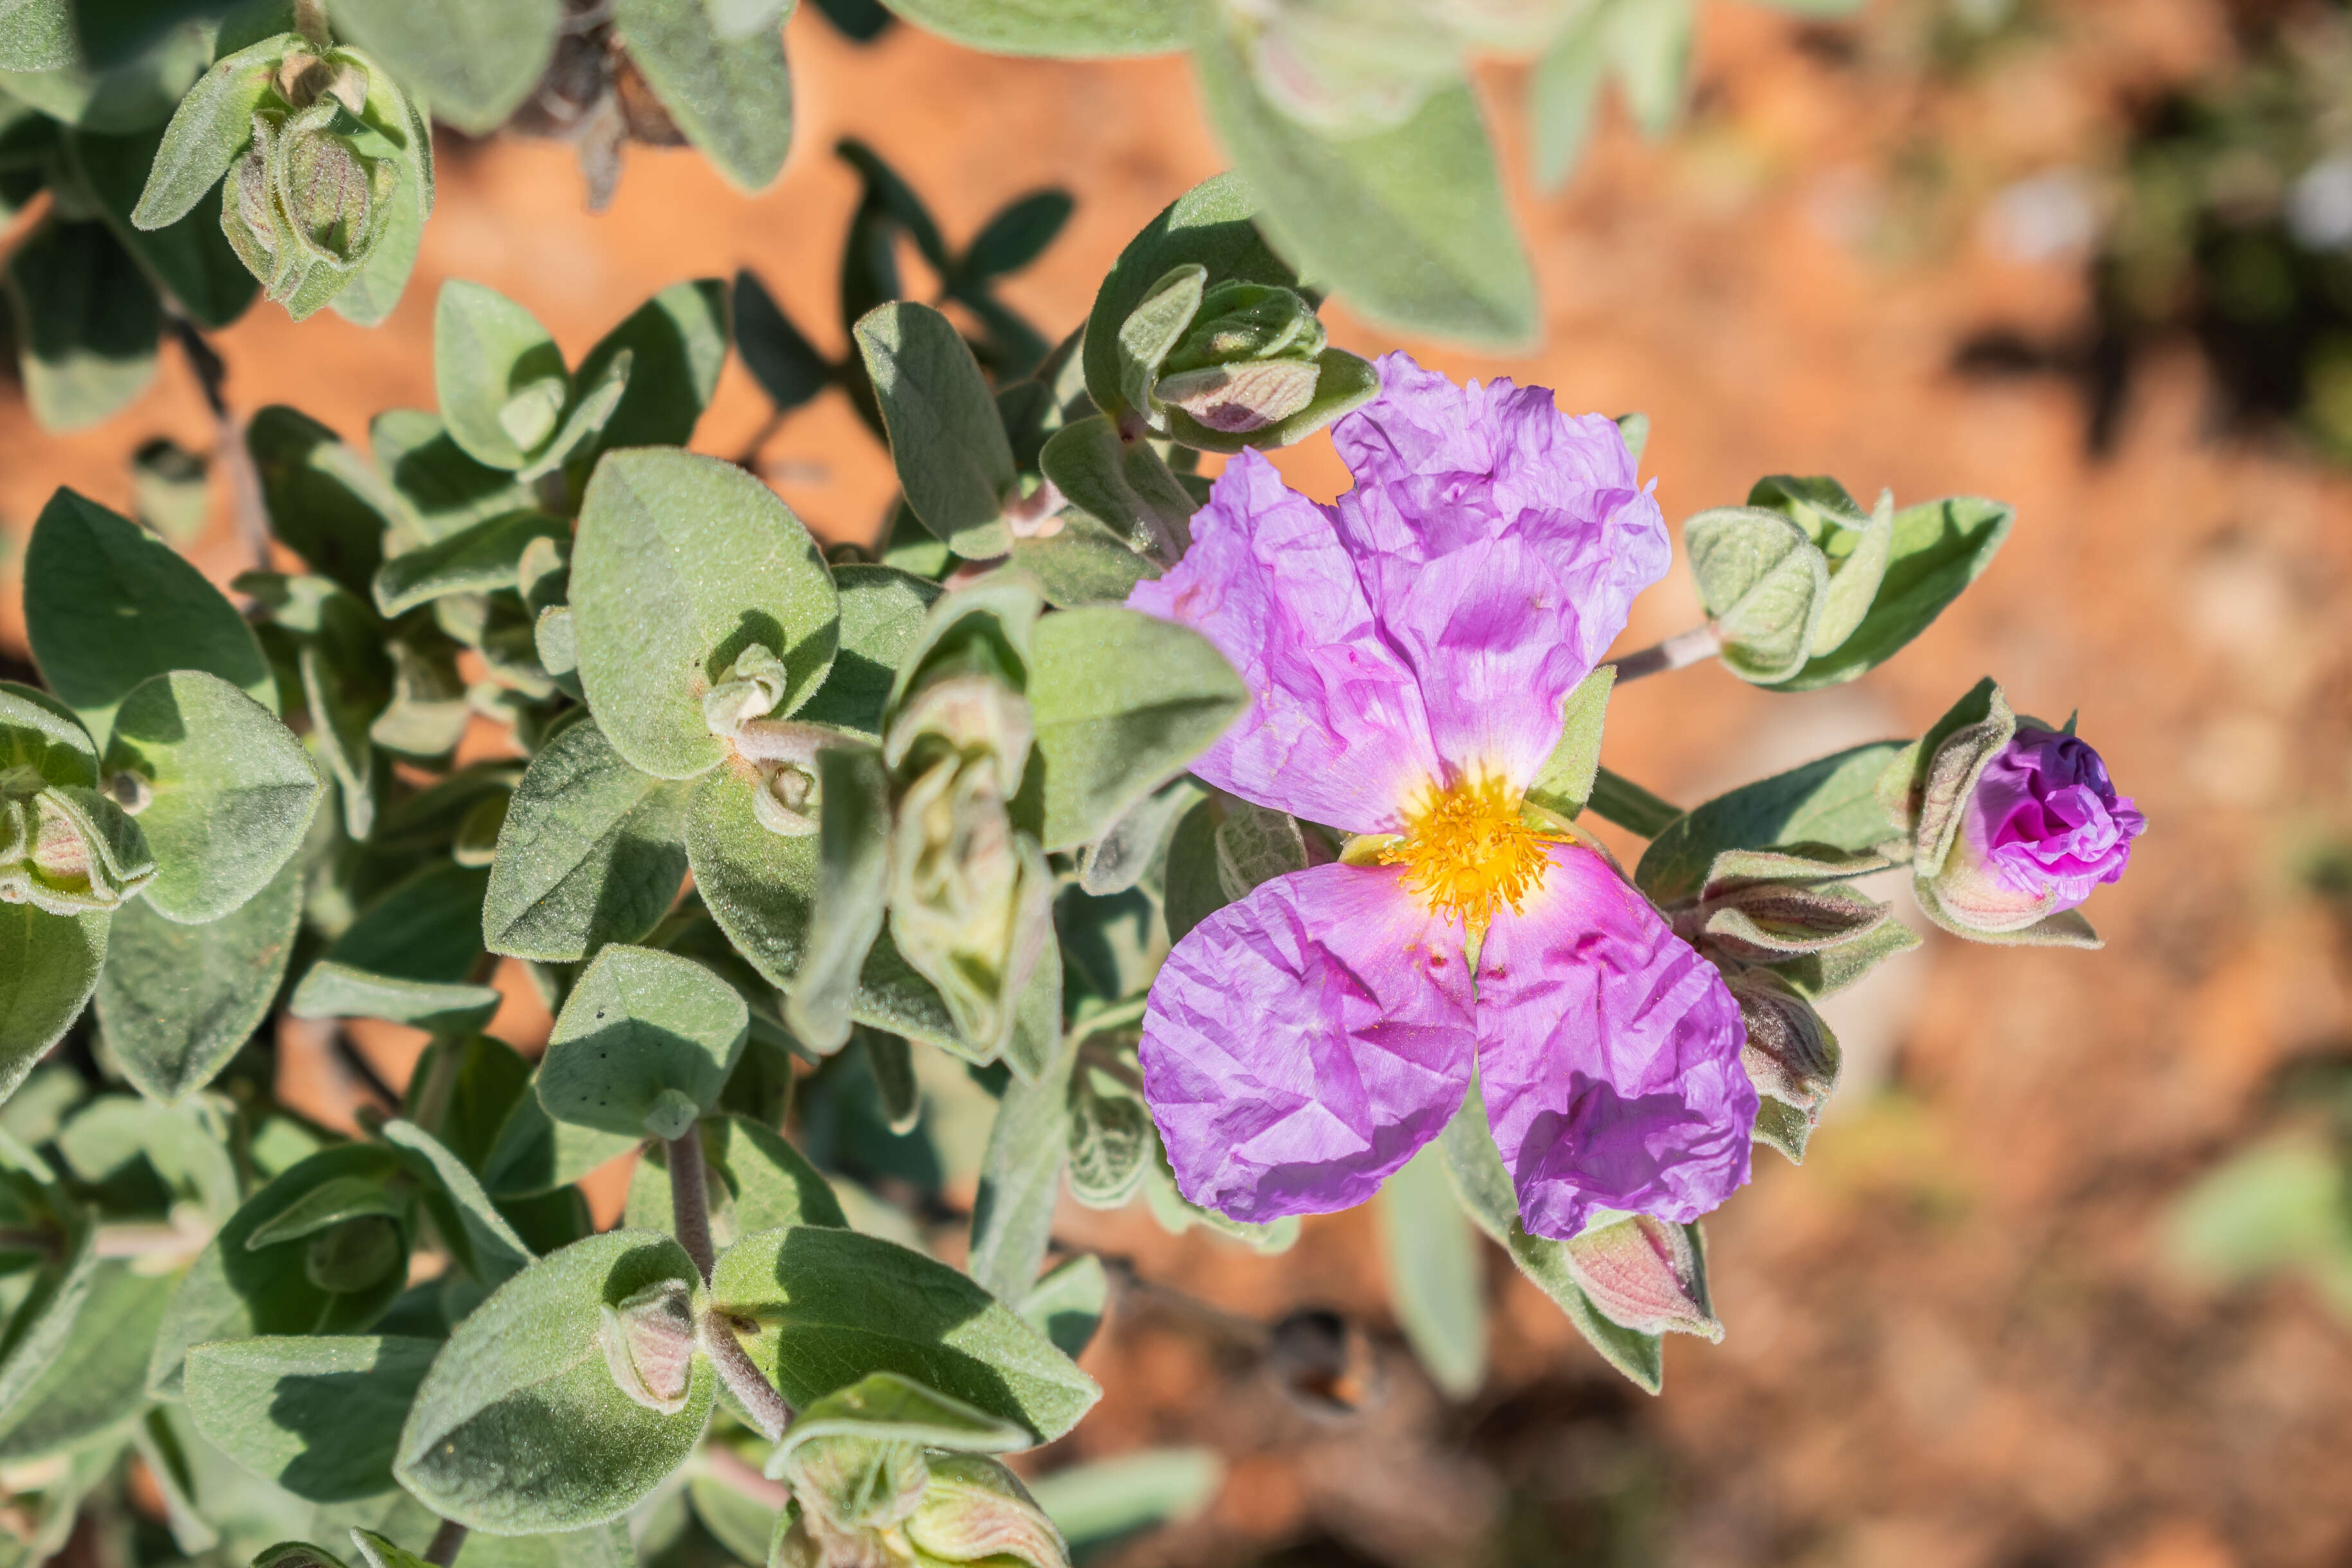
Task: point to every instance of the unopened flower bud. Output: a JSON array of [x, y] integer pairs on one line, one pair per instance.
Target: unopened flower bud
[[1645, 1273], [1789, 1054], [1248, 361], [974, 1508], [648, 1344], [854, 1483], [969, 900], [2041, 828], [752, 688], [69, 850], [1238, 322], [327, 192]]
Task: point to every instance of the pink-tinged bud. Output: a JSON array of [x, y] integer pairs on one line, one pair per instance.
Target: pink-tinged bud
[[974, 1509], [2043, 828], [648, 1344], [1646, 1273]]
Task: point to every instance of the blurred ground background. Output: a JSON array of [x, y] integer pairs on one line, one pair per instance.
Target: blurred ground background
[[1873, 251]]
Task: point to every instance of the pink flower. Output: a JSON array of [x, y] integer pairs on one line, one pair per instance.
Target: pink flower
[[2044, 828], [1409, 650]]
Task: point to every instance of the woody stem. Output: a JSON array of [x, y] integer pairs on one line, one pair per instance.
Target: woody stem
[[1683, 648]]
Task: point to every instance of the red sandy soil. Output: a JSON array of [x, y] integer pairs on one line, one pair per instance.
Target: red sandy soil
[[1952, 1337]]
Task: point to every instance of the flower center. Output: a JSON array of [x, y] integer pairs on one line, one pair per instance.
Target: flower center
[[1467, 850]]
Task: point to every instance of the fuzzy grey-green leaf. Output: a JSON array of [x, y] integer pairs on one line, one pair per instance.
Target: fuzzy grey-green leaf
[[230, 791], [953, 460], [1122, 702], [108, 605], [318, 1414], [519, 1427], [639, 1022], [681, 562], [591, 852], [731, 96]]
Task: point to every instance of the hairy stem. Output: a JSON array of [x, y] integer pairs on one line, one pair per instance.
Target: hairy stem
[[690, 1199], [447, 1541], [768, 1409], [1683, 648]]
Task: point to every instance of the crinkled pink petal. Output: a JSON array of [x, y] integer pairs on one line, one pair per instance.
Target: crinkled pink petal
[[1336, 731], [1302, 1044], [1609, 1056], [1501, 544]]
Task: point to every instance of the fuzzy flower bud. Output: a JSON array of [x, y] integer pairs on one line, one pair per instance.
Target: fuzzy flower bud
[[975, 1510], [2043, 828], [648, 1345], [968, 897], [1248, 361], [66, 849]]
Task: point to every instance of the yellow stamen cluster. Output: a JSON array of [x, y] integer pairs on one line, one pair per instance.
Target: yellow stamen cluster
[[1468, 851]]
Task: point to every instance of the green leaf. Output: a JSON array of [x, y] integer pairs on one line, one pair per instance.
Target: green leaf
[[1084, 564], [1409, 224], [49, 966], [1855, 574], [682, 562], [98, 1381], [1103, 1501], [1209, 226], [41, 1326], [732, 98], [892, 1408], [1562, 91], [499, 376], [191, 259], [1122, 703], [519, 1427], [760, 887], [2277, 1204], [1649, 44], [333, 990], [787, 366], [316, 1415], [213, 125], [86, 324], [231, 791], [478, 560], [485, 1244], [953, 460], [833, 1304], [444, 490], [1566, 780], [39, 732], [1015, 235], [1068, 1305], [1434, 1274], [1475, 1167], [1832, 801], [474, 65], [852, 890], [676, 342], [761, 1182], [535, 1153], [38, 36], [590, 853], [1020, 1180], [236, 1291], [882, 615], [1124, 484], [108, 605], [1082, 28], [640, 1027], [177, 1002], [326, 502], [407, 958], [745, 1525], [1937, 549], [1764, 584]]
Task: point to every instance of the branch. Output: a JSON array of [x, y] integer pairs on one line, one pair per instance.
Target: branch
[[770, 1411], [446, 1542], [689, 1198], [1683, 648]]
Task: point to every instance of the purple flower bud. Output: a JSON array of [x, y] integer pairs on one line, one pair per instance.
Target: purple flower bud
[[2043, 828]]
